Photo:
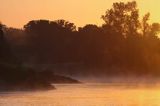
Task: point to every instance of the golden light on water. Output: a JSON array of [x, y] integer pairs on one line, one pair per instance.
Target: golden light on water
[[86, 95], [45, 49], [16, 13]]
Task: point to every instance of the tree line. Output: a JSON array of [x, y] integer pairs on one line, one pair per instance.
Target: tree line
[[124, 44]]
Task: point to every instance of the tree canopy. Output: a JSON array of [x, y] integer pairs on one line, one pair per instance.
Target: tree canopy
[[124, 44]]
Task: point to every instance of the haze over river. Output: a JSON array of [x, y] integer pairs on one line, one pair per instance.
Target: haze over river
[[89, 94]]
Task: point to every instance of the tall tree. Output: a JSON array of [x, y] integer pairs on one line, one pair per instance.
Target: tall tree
[[145, 25], [122, 18], [49, 40]]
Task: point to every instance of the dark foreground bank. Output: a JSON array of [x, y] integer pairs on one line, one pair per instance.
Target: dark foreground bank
[[20, 78]]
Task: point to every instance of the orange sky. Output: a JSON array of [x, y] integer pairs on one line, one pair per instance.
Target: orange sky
[[16, 13]]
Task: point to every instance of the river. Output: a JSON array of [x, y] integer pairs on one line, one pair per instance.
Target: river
[[91, 94]]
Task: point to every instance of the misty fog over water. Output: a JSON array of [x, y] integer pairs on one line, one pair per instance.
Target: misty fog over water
[[89, 94], [56, 63]]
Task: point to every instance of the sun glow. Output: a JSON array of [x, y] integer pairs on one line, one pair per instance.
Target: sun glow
[[16, 13]]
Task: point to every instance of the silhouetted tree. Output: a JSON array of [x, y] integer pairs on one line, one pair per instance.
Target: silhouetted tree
[[5, 54], [1, 32], [122, 19], [66, 25], [92, 43], [53, 36], [122, 45], [145, 25]]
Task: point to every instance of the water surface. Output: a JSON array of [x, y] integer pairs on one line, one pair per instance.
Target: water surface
[[86, 95]]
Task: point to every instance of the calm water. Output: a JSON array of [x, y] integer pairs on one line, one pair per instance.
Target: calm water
[[86, 95]]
